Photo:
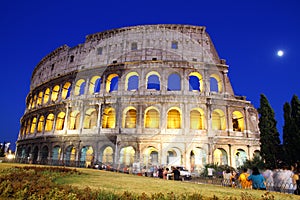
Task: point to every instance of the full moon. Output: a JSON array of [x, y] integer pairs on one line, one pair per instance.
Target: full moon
[[280, 53]]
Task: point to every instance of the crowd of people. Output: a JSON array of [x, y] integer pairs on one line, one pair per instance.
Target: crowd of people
[[284, 179]]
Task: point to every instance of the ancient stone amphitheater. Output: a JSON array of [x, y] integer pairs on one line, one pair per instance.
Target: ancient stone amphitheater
[[141, 96]]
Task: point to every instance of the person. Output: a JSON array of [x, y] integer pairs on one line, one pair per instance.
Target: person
[[165, 173], [245, 184], [226, 177], [175, 173], [160, 172], [268, 174], [258, 180], [232, 179], [296, 180], [210, 172]]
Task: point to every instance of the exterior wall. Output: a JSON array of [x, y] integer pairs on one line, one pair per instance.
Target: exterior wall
[[140, 50]]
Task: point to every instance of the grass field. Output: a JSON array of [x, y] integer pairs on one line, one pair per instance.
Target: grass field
[[120, 183]]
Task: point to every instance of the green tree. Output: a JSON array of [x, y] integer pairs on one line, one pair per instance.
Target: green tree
[[269, 136], [291, 131]]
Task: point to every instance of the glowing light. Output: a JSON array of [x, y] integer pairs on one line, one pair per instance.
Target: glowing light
[[280, 53]]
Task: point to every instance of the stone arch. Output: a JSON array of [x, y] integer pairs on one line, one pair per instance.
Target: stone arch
[[174, 118], [112, 82], [49, 122], [109, 118], [107, 156], [86, 156], [95, 85], [153, 80], [33, 125], [197, 159], [152, 117], [240, 157], [90, 118], [150, 156], [218, 120], [174, 157], [66, 90], [60, 120], [74, 120], [70, 155], [40, 98], [127, 155], [35, 154], [238, 123], [195, 82], [129, 117], [215, 83], [197, 119], [132, 81], [41, 124], [44, 154], [56, 154], [55, 93], [220, 157], [174, 82], [46, 96], [79, 87]]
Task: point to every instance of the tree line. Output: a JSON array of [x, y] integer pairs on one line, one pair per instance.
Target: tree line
[[273, 153]]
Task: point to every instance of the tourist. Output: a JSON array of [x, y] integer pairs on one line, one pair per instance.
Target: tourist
[[268, 174], [175, 173], [258, 181], [245, 184], [165, 173], [226, 177]]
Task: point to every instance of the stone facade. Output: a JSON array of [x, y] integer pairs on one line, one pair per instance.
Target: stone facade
[[141, 96]]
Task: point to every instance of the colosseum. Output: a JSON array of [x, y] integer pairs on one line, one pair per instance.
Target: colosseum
[[139, 96]]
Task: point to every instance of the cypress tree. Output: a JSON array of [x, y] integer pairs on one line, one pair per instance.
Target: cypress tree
[[291, 131], [269, 136]]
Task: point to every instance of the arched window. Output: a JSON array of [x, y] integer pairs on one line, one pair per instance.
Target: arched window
[[218, 120], [152, 118], [60, 120], [237, 121], [41, 124], [132, 81], [174, 82], [79, 87], [90, 119], [174, 119], [127, 155], [195, 82], [107, 157], [40, 98], [49, 122], [129, 118], [28, 126], [29, 103], [46, 95], [66, 90], [33, 102], [55, 92], [153, 81], [220, 157], [74, 120], [109, 118], [33, 125], [112, 83], [215, 83], [197, 119], [95, 85]]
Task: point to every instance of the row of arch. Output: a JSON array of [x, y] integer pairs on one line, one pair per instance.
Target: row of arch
[[152, 119], [127, 156], [132, 83]]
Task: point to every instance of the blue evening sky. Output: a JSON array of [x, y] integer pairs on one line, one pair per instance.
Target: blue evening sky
[[246, 33]]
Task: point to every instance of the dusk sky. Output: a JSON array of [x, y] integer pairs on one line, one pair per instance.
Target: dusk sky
[[246, 33]]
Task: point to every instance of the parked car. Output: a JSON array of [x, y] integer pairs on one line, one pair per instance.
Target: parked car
[[184, 173]]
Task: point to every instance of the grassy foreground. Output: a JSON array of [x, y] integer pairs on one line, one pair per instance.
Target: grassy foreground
[[118, 183]]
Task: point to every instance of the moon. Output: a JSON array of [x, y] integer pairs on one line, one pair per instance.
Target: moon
[[280, 53]]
